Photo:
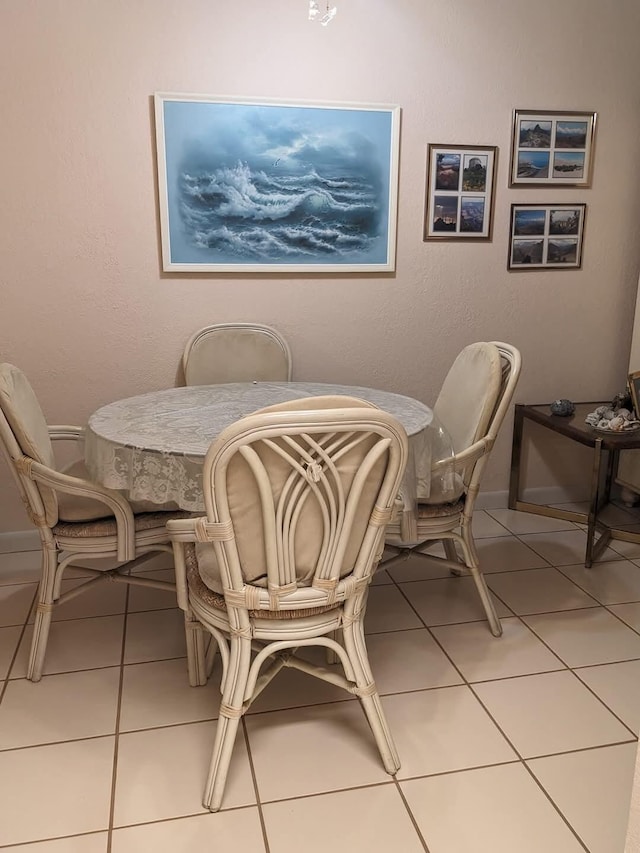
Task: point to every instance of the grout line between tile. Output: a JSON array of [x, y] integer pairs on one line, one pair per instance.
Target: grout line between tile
[[555, 806], [116, 745], [395, 781], [411, 816], [602, 702], [25, 624], [53, 838], [173, 818], [330, 791], [254, 780]]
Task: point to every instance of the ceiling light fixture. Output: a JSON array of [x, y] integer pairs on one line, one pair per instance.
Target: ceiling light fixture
[[315, 14]]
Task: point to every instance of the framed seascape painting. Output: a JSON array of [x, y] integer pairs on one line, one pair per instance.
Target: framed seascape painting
[[274, 186], [552, 149], [460, 187], [546, 236]]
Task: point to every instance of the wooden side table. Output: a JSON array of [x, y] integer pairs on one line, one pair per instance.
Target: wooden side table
[[606, 447]]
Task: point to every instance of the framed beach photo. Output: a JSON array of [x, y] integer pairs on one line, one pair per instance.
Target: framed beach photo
[[276, 186], [460, 191], [552, 148], [546, 236]]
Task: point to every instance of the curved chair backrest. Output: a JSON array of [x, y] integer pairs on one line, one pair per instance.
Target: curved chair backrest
[[300, 498], [469, 394], [511, 365], [25, 435], [511, 362], [236, 352], [471, 406]]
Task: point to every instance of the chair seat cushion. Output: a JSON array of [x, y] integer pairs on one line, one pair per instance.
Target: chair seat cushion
[[76, 507], [98, 528], [213, 599]]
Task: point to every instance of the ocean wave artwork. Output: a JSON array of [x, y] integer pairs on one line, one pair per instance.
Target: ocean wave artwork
[[272, 186]]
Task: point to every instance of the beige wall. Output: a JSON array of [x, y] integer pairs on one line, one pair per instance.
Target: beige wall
[[90, 318]]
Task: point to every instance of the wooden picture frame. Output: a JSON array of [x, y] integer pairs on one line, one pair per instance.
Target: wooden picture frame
[[546, 236], [552, 148], [460, 192]]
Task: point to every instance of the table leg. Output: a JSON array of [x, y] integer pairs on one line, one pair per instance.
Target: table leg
[[516, 452], [515, 501], [596, 474]]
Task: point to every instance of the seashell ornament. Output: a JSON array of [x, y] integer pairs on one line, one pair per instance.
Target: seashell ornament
[[610, 420]]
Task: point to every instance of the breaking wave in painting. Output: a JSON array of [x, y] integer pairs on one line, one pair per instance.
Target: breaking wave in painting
[[251, 214], [277, 185]]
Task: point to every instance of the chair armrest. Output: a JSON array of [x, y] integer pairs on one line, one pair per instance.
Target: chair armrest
[[181, 530], [65, 432], [119, 506], [461, 460]]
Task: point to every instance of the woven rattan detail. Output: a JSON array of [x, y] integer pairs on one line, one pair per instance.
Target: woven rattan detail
[[196, 585], [440, 510], [213, 599], [107, 526]]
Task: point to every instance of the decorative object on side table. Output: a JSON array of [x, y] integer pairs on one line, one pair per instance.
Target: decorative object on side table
[[618, 416], [562, 407]]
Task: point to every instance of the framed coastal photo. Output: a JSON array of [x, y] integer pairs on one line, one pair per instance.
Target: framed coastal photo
[[276, 186], [546, 236], [552, 148], [460, 190]]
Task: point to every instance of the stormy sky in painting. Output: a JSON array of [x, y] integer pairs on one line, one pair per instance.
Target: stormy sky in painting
[[277, 184]]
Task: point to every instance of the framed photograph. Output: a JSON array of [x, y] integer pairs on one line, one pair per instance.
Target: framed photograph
[[634, 391], [546, 236], [552, 148], [276, 186], [460, 188]]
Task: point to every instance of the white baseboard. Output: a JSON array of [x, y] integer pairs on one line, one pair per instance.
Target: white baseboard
[[541, 495], [19, 540], [493, 500]]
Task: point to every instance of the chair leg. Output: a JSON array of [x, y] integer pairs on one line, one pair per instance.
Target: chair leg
[[231, 710], [44, 611], [451, 554], [355, 646], [196, 657], [473, 564], [330, 656]]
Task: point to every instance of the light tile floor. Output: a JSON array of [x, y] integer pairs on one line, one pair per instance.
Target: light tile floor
[[518, 745]]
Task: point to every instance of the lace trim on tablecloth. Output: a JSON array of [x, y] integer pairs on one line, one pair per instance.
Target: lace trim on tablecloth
[[162, 421]]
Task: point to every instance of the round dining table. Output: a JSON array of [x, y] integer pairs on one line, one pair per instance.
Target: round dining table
[[152, 447]]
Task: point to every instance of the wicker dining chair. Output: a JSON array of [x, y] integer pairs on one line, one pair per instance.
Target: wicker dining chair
[[236, 352], [297, 498], [78, 521], [472, 405]]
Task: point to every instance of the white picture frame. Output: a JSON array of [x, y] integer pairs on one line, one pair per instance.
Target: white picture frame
[[253, 185]]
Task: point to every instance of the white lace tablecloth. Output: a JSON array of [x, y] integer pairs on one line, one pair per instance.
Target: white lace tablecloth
[[152, 447]]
